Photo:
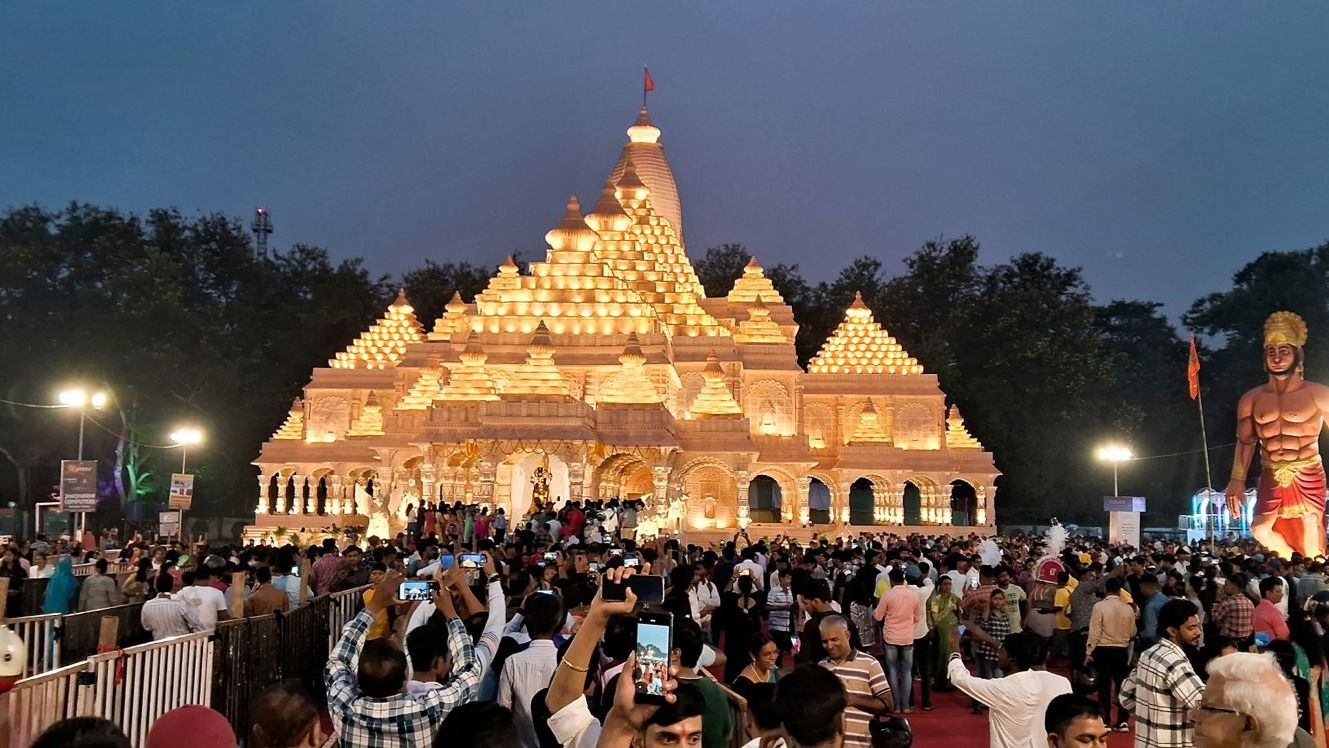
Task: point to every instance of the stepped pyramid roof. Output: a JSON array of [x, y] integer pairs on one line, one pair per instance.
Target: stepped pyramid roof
[[630, 384], [957, 436], [384, 343], [370, 420], [538, 377], [754, 284], [869, 428], [293, 427], [470, 381], [453, 320], [714, 400], [759, 327], [573, 290], [862, 346], [427, 387]]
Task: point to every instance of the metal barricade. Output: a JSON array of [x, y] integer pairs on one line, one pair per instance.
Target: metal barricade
[[345, 605], [40, 701], [41, 634], [247, 658], [135, 686], [80, 633], [304, 654]]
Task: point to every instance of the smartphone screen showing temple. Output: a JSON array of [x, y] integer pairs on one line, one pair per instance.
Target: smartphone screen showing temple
[[652, 658]]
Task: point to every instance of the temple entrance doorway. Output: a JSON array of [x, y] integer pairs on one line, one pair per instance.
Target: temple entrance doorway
[[819, 503], [861, 500], [913, 504], [623, 476], [964, 503], [712, 498], [764, 499], [526, 478]]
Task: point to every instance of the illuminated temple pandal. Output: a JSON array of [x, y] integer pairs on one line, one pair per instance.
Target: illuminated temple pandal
[[606, 366]]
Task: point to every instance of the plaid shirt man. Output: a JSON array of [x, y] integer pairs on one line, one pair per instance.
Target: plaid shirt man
[[404, 719], [1233, 616], [1161, 691]]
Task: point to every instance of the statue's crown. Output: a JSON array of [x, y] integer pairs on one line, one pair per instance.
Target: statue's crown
[[1285, 328]]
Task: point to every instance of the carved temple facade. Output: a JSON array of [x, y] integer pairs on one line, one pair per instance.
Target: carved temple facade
[[605, 371]]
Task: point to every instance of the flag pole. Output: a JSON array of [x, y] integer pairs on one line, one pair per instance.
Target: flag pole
[[1212, 512]]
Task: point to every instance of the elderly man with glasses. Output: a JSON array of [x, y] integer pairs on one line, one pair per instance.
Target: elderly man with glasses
[[1247, 704]]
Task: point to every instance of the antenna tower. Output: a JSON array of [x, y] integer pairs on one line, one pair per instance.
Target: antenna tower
[[262, 227]]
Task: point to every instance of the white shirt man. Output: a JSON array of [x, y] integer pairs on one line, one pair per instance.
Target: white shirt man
[[165, 616], [701, 595], [207, 603], [525, 674], [754, 570], [921, 623], [1017, 702]]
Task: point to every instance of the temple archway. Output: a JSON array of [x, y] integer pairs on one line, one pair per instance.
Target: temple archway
[[862, 502], [764, 499], [819, 502], [913, 503], [964, 502], [520, 477], [625, 476]]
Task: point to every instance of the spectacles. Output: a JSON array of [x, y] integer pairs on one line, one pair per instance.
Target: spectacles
[[1213, 709]]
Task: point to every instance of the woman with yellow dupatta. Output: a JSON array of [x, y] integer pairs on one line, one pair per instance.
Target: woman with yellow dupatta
[[943, 616]]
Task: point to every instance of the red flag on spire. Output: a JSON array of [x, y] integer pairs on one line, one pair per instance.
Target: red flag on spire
[[649, 83], [1193, 371]]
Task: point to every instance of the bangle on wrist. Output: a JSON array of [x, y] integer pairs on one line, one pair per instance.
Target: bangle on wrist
[[574, 668]]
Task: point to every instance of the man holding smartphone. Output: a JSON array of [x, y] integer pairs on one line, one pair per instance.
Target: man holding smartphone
[[366, 681]]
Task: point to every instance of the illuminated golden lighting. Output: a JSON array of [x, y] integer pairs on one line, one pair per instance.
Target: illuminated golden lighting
[[384, 343], [862, 346], [293, 428]]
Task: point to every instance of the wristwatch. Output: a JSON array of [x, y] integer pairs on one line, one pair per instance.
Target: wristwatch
[[495, 578]]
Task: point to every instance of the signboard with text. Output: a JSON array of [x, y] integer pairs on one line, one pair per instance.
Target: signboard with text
[[1123, 503], [168, 523], [1124, 527], [182, 491], [78, 485]]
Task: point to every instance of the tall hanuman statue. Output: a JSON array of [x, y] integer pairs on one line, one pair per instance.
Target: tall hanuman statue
[[1285, 415]]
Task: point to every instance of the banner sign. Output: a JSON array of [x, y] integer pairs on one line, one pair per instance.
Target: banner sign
[[168, 523], [1124, 527], [182, 491], [1123, 503], [78, 485]]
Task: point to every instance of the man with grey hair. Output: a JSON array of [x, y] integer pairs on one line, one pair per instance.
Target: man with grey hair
[[865, 686], [1247, 704]]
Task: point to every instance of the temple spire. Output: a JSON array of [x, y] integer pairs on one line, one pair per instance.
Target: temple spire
[[714, 400]]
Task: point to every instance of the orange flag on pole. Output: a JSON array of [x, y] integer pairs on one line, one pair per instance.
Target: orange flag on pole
[[648, 84], [1193, 371]]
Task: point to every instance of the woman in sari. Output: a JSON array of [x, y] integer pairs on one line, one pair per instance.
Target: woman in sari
[[943, 616], [61, 589]]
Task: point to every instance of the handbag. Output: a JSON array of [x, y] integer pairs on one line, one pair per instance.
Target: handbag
[[891, 731]]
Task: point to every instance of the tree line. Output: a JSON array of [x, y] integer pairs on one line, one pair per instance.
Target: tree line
[[185, 322]]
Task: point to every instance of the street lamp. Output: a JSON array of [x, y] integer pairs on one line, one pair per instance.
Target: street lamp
[[77, 397], [1115, 454], [183, 438]]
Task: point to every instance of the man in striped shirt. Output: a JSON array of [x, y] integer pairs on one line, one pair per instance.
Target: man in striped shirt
[[1164, 687], [865, 684]]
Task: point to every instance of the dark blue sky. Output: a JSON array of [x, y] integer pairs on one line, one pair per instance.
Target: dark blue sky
[[1158, 145]]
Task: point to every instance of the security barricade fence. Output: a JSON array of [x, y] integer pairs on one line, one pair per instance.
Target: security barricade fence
[[136, 683]]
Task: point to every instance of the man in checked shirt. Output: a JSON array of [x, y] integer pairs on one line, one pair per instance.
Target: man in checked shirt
[[368, 701], [1164, 687]]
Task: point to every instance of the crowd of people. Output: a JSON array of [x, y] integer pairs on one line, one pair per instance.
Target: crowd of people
[[475, 631]]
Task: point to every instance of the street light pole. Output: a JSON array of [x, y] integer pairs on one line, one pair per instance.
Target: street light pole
[[1115, 491]]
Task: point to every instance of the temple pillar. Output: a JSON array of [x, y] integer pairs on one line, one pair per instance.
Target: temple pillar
[[311, 495], [484, 493], [334, 495], [283, 488], [744, 483], [791, 505], [803, 503], [576, 481], [986, 513], [880, 504], [264, 484], [943, 506], [895, 504], [427, 480], [840, 503]]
